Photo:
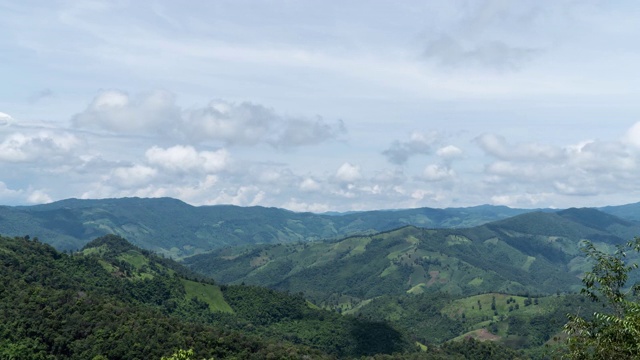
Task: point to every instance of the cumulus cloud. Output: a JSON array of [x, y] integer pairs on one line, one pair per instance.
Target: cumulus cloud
[[243, 124], [133, 176], [227, 123], [497, 146], [39, 197], [246, 195], [113, 110], [7, 193], [301, 206], [631, 137], [5, 119], [436, 172], [41, 146], [309, 185], [586, 169], [449, 152], [186, 158], [348, 173], [418, 143], [520, 199]]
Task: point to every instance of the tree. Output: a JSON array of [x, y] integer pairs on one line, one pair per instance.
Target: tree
[[615, 332]]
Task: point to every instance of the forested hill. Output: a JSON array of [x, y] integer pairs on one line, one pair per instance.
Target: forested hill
[[176, 229], [537, 253], [119, 302]]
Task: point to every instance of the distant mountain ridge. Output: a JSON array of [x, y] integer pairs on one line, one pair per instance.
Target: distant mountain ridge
[[177, 229]]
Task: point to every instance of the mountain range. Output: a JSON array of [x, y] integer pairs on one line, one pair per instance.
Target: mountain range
[[176, 229], [416, 276]]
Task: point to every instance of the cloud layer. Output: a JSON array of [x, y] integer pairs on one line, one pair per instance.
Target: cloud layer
[[223, 122], [318, 106]]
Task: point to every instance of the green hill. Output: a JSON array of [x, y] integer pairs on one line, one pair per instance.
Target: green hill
[[535, 252], [176, 229], [116, 300], [411, 276]]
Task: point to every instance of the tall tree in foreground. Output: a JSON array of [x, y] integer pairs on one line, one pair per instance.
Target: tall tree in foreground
[[613, 333]]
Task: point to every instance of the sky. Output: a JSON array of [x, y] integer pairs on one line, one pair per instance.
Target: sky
[[321, 105]]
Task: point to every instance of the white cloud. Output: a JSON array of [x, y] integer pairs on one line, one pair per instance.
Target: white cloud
[[348, 173], [248, 195], [8, 194], [186, 159], [133, 176], [5, 119], [156, 113], [498, 147], [520, 200], [435, 172], [116, 111], [39, 197], [449, 152], [309, 185], [41, 146], [632, 136], [300, 206]]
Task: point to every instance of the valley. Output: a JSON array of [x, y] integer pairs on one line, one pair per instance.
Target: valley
[[503, 286]]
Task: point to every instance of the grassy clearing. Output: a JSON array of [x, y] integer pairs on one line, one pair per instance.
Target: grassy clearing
[[528, 262], [478, 308], [208, 293]]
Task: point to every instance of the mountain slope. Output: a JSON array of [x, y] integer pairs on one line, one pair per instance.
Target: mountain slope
[[119, 301], [176, 229], [533, 252]]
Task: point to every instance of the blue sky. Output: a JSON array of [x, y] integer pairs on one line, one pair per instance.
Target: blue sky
[[319, 105]]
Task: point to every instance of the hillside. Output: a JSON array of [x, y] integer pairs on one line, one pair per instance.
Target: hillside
[[176, 229], [116, 300], [509, 281], [535, 253]]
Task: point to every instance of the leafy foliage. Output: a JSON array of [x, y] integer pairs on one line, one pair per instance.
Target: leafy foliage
[[114, 302], [614, 332]]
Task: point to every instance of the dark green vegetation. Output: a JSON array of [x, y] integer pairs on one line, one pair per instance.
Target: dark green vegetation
[[510, 281], [121, 302], [176, 229], [536, 253], [613, 331], [400, 275]]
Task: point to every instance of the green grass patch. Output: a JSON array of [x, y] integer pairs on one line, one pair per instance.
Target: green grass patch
[[457, 240], [389, 270], [418, 289], [528, 262], [208, 293]]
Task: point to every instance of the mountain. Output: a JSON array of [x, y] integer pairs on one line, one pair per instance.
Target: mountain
[[176, 229], [114, 300], [627, 212], [537, 253], [511, 281]]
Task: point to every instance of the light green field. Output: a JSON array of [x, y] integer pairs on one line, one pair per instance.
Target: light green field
[[475, 313], [208, 293]]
